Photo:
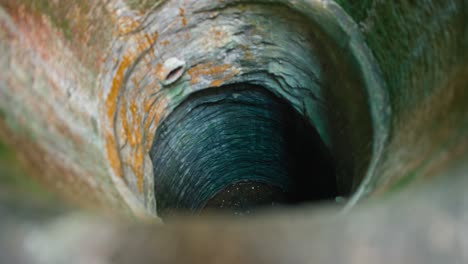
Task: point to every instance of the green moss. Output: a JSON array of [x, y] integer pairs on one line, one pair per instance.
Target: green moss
[[43, 7], [357, 9], [2, 114], [416, 44], [56, 12], [403, 182], [14, 180]]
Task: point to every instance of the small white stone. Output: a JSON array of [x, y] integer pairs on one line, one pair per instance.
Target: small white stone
[[173, 70]]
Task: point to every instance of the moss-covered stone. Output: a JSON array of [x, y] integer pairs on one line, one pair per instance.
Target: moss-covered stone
[[14, 179]]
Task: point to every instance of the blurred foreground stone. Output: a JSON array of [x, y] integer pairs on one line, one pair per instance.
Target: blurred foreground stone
[[424, 224]]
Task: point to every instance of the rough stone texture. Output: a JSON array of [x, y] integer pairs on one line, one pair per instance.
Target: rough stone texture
[[421, 48], [83, 85], [105, 96], [425, 225], [48, 97]]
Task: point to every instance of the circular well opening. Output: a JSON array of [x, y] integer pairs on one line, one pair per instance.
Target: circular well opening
[[239, 148]]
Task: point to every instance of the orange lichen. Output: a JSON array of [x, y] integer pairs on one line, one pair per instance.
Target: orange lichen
[[136, 123], [138, 167], [207, 69], [124, 123], [129, 116], [135, 141], [150, 41], [216, 83], [228, 76], [142, 41], [218, 37], [127, 25], [133, 109], [159, 71], [113, 155], [184, 18], [154, 114], [164, 42], [111, 100]]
